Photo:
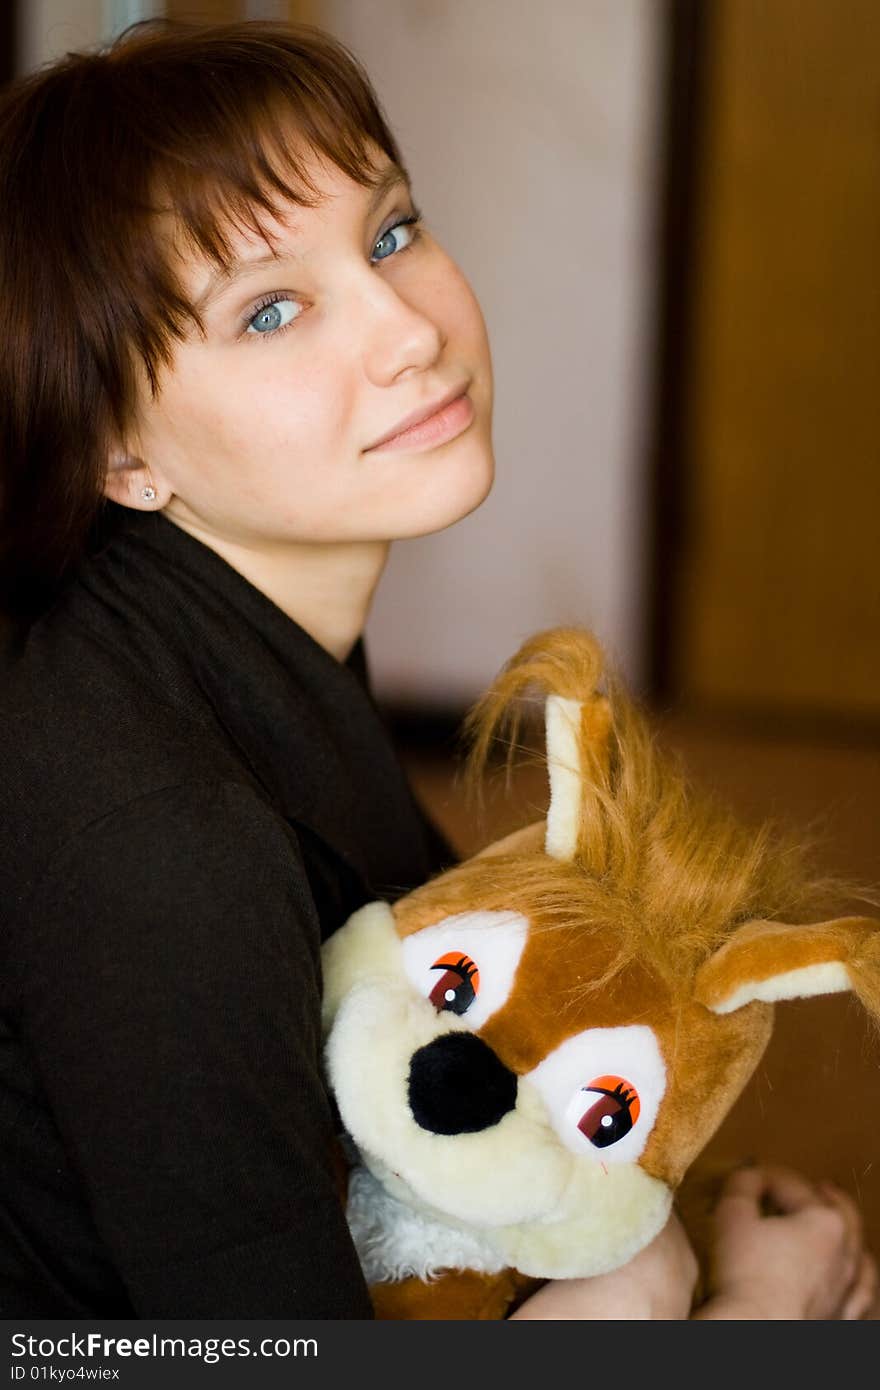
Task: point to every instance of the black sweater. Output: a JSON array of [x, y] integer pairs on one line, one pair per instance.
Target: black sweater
[[193, 794]]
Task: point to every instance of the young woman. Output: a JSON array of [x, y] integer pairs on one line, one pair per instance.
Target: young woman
[[237, 366]]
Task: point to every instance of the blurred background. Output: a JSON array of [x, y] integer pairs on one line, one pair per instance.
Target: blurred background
[[670, 212]]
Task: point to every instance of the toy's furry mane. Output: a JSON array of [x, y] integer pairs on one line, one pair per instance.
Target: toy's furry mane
[[669, 871]]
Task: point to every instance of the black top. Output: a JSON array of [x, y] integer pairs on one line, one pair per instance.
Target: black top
[[193, 794]]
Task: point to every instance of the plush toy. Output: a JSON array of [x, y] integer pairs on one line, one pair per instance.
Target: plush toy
[[529, 1051]]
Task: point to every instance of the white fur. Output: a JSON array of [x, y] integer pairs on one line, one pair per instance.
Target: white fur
[[396, 1241], [828, 978], [366, 946], [609, 1220], [563, 719], [606, 1218]]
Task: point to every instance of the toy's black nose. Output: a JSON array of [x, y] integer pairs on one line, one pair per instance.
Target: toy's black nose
[[458, 1086]]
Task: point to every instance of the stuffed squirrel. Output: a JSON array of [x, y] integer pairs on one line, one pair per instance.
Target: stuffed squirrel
[[529, 1050]]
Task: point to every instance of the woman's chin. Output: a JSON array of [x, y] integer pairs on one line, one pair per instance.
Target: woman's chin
[[448, 494]]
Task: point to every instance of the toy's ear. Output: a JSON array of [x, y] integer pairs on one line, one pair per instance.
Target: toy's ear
[[771, 961], [578, 755], [566, 663]]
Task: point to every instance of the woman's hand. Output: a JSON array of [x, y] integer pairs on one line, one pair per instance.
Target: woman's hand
[[657, 1283], [787, 1248]]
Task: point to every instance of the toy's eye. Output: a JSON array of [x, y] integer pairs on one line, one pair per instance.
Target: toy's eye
[[611, 1108], [440, 962], [458, 985], [608, 1119]]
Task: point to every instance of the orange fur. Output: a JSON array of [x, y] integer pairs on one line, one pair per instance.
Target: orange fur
[[452, 1296], [680, 872]]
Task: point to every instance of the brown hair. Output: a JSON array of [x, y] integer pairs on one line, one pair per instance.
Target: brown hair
[[205, 124]]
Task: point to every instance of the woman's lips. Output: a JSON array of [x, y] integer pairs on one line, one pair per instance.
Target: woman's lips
[[443, 425]]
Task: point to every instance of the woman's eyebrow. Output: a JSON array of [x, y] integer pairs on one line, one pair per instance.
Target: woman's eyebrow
[[392, 177]]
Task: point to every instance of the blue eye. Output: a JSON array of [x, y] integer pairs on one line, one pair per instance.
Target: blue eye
[[275, 314], [390, 240], [277, 311]]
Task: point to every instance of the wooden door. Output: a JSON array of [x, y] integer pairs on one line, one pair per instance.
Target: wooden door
[[779, 582]]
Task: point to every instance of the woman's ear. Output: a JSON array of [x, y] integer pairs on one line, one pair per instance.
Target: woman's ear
[[130, 482], [772, 961]]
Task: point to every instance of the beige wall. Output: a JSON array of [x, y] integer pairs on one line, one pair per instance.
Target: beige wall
[[50, 28], [531, 134]]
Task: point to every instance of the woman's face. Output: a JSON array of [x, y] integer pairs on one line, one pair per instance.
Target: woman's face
[[261, 432]]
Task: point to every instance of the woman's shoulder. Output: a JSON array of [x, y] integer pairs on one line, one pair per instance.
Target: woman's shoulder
[[96, 772], [84, 738], [192, 867], [186, 821]]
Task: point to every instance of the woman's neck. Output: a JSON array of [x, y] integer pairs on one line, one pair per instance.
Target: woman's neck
[[326, 588]]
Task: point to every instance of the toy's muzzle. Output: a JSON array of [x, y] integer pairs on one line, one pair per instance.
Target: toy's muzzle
[[457, 1085]]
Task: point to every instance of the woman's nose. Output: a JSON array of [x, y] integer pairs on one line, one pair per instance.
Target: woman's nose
[[399, 336], [457, 1085]]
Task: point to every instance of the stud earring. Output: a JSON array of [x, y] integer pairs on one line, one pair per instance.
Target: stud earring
[[148, 493]]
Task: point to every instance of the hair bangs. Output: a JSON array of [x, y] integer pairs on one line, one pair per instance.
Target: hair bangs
[[212, 155]]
